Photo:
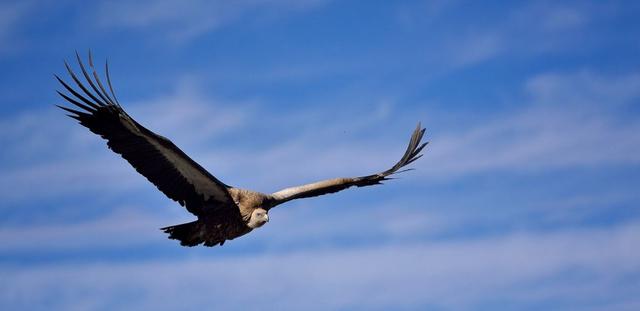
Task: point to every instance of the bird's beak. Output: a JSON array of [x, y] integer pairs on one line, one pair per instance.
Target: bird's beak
[[267, 216]]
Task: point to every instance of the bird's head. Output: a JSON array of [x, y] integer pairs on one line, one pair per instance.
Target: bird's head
[[258, 218]]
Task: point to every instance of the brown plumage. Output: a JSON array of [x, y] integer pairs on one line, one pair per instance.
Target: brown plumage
[[223, 212]]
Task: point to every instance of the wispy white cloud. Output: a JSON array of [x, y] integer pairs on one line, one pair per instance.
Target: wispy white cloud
[[185, 111], [43, 165], [301, 226], [98, 172], [555, 128], [570, 121], [475, 47], [519, 269], [49, 155], [123, 227], [413, 13], [553, 17], [565, 122], [183, 21], [584, 89], [353, 249], [534, 140], [12, 14], [538, 27]]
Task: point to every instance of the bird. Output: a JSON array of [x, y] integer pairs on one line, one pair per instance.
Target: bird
[[223, 212]]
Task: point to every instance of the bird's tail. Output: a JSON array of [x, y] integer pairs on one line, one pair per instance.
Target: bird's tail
[[189, 234]]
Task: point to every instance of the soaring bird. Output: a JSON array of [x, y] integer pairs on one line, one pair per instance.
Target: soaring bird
[[223, 212]]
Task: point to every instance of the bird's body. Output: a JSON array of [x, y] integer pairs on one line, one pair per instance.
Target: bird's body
[[245, 213], [224, 212]]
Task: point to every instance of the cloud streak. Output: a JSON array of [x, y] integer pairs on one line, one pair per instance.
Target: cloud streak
[[41, 164], [525, 199], [557, 129], [182, 22], [570, 121], [451, 275], [11, 16]]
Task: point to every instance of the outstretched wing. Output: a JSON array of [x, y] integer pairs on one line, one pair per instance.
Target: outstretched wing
[[338, 184], [153, 156]]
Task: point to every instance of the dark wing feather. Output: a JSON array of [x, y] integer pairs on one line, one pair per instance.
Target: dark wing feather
[[337, 184], [153, 156]]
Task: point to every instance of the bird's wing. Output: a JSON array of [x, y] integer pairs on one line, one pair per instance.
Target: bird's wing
[[153, 156], [338, 184]]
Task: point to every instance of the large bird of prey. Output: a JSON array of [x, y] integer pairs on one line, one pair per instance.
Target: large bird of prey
[[224, 212]]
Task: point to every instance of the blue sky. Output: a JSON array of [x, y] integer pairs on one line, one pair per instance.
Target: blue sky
[[526, 198]]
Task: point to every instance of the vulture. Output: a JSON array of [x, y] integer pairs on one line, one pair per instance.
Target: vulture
[[223, 212]]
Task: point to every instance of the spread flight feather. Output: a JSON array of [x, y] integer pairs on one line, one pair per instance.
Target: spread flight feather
[[224, 212]]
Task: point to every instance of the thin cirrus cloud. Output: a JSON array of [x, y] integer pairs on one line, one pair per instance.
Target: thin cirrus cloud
[[178, 115], [182, 23], [11, 17], [135, 226], [566, 123], [472, 43], [531, 141], [543, 134], [118, 225], [458, 275], [525, 198], [528, 140], [82, 156], [584, 89]]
